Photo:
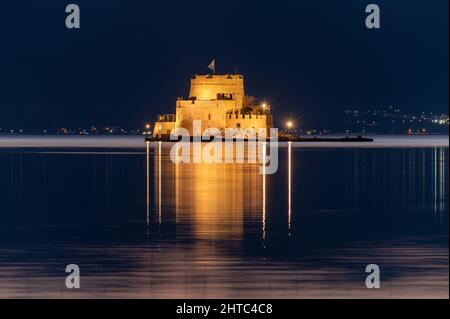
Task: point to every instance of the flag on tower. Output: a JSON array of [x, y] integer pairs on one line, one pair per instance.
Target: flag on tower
[[212, 65]]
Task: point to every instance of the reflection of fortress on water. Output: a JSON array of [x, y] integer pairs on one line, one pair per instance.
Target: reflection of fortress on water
[[219, 102], [215, 200]]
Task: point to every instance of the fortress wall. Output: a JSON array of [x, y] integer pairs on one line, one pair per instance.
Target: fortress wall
[[162, 128], [226, 104], [205, 87], [186, 116], [247, 122], [211, 113]]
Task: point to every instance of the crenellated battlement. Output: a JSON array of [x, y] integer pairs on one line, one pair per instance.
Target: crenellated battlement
[[218, 87]]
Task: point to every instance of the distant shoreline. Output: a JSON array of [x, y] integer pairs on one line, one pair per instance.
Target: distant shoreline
[[300, 135], [137, 142]]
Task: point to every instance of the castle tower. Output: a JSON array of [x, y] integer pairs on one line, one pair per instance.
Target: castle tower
[[218, 87], [210, 98]]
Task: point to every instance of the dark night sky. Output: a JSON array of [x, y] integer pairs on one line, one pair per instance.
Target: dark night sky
[[131, 59]]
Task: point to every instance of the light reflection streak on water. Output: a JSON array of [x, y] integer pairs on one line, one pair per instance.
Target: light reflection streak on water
[[435, 164], [443, 178], [159, 183], [289, 187], [148, 183], [264, 192]]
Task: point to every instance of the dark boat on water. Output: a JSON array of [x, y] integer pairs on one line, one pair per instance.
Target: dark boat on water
[[359, 138]]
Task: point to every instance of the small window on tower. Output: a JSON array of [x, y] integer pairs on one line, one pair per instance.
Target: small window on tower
[[209, 116]]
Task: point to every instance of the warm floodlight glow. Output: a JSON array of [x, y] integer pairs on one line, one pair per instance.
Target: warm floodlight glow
[[264, 105], [147, 126], [289, 124]]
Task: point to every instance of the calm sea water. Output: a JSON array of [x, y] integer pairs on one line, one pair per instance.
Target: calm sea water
[[140, 226]]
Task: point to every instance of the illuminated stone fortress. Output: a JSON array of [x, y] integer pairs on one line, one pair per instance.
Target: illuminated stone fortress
[[219, 101]]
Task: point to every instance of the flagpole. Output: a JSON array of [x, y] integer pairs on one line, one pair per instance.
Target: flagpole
[[212, 66]]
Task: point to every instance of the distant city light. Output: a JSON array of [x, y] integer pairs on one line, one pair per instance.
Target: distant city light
[[289, 124]]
